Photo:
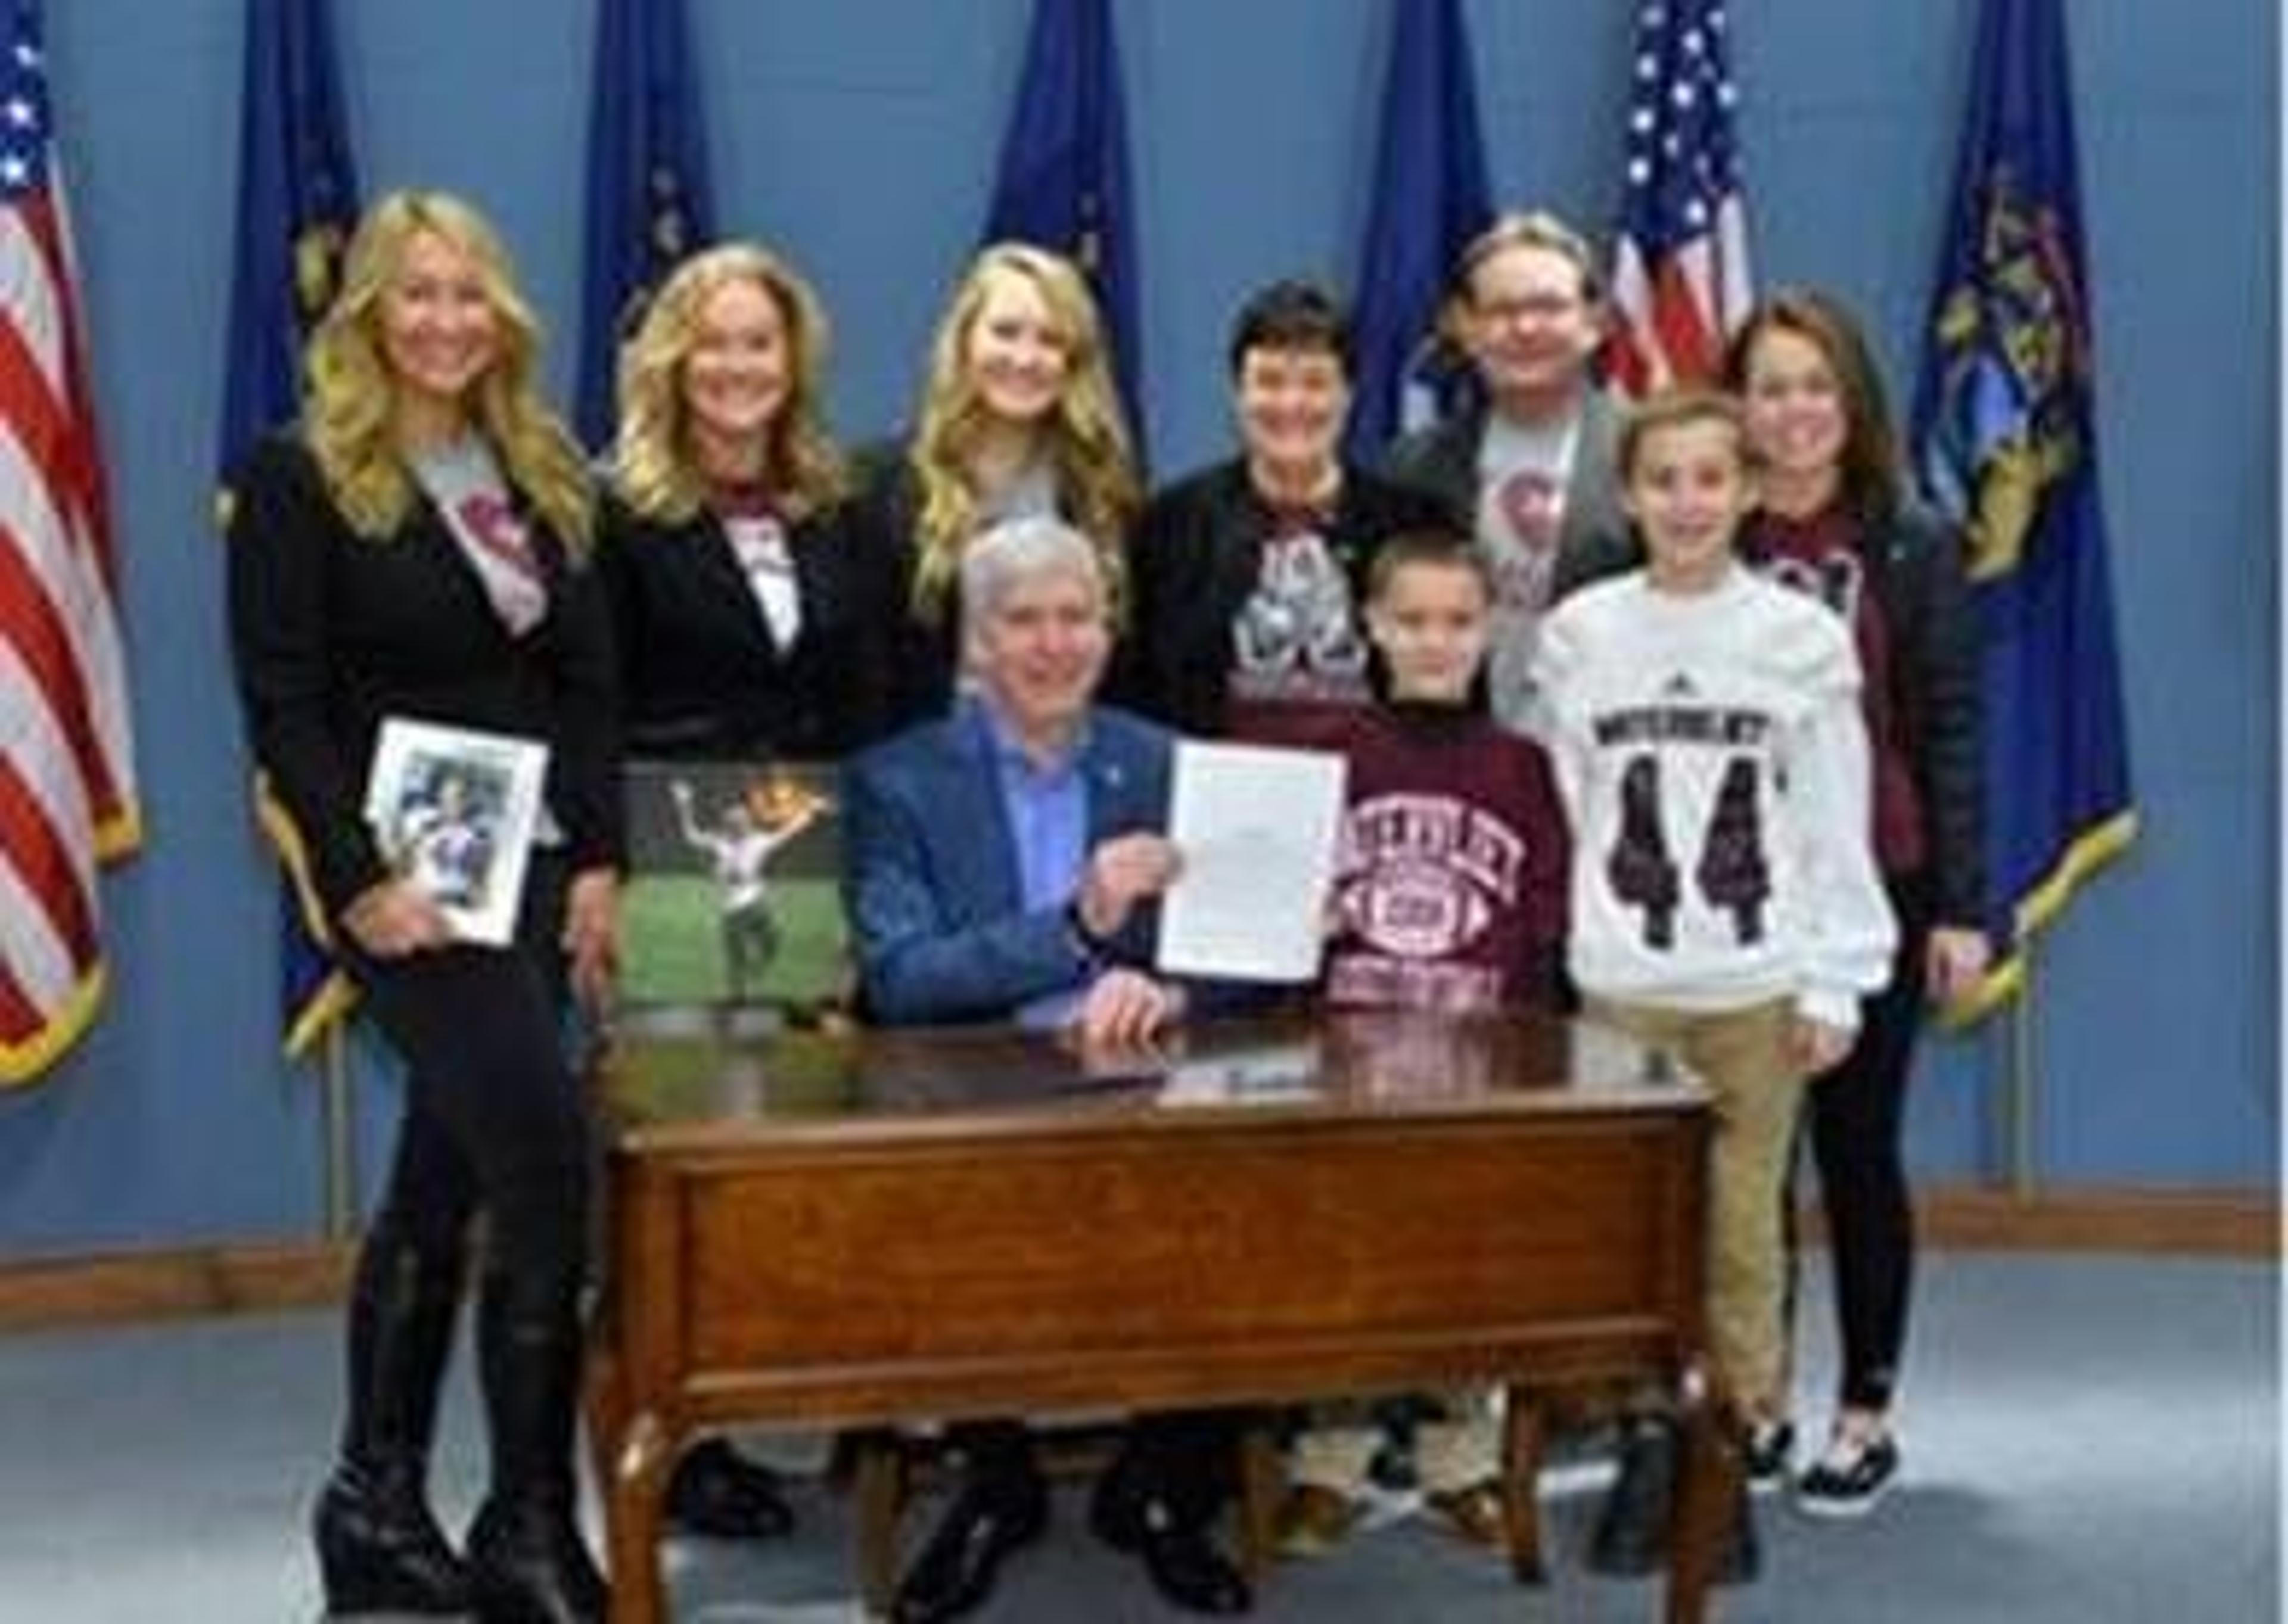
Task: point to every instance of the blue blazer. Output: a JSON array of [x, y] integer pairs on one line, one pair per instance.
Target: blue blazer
[[930, 869]]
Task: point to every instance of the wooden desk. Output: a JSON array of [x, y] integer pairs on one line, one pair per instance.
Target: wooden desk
[[899, 1225]]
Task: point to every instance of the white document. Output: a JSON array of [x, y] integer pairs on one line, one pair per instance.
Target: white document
[[454, 811], [1257, 829]]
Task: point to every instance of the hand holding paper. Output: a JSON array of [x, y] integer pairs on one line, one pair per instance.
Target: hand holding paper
[[1121, 872]]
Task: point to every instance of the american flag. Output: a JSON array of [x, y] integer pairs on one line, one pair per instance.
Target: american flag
[[1680, 269], [68, 796]]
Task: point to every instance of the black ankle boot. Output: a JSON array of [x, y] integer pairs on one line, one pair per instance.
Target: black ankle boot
[[527, 1563], [1632, 1534], [379, 1547], [1740, 1559], [380, 1550]]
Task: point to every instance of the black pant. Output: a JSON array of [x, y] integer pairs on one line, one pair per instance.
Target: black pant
[[494, 1122], [1184, 1461], [1855, 1117]]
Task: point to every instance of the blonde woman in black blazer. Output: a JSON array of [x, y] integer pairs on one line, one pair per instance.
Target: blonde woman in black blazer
[[1019, 419], [418, 546], [748, 621]]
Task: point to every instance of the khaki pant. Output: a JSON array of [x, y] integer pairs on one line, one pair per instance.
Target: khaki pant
[[1742, 1057], [1457, 1452]]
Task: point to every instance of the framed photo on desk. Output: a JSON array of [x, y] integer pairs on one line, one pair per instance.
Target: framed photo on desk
[[733, 901]]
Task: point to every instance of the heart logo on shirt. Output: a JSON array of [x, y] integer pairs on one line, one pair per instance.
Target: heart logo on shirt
[[1532, 506]]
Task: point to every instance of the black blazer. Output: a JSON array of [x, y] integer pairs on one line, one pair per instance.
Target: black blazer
[[1915, 570], [924, 656], [701, 674], [330, 632], [1192, 561], [1594, 542]]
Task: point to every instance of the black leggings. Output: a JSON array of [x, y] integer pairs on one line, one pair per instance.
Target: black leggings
[[495, 1118], [1855, 1117]]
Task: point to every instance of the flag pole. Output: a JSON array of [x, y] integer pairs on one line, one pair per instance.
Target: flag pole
[[2015, 1102], [339, 1187], [2025, 1066]]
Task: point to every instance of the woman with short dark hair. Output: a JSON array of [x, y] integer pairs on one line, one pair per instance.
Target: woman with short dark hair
[[1246, 577]]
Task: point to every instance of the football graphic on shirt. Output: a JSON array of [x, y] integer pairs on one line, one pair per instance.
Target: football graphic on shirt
[[1415, 910], [1416, 871]]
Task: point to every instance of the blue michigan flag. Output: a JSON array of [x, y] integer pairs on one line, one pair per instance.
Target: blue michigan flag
[[1063, 181], [2005, 438], [297, 203], [1429, 201], [648, 202]]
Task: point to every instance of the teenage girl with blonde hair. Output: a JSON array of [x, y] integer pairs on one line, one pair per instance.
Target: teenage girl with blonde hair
[[1019, 419]]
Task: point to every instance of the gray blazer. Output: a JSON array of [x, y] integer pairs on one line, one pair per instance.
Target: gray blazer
[[1595, 542]]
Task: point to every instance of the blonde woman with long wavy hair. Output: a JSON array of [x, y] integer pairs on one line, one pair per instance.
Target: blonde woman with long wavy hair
[[350, 402], [750, 622], [417, 546], [1019, 418]]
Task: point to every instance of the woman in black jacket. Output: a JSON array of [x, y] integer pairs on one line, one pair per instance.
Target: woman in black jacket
[[1246, 578], [749, 625], [418, 546], [1019, 419], [1836, 521]]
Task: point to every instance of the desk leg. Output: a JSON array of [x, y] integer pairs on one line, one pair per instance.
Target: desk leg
[[1708, 1478], [1522, 1423], [631, 1455], [631, 1522], [879, 1491], [1262, 1481]]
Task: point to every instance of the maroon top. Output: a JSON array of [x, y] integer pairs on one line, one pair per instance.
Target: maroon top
[[1449, 887], [1823, 555]]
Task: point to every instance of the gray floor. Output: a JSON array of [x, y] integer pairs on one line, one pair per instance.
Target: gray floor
[[2091, 1440]]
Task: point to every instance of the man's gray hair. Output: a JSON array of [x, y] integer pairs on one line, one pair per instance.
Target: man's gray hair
[[1012, 554]]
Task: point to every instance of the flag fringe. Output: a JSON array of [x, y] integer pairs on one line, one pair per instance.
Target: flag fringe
[[23, 1061], [335, 1002], [120, 836], [336, 996], [2091, 852]]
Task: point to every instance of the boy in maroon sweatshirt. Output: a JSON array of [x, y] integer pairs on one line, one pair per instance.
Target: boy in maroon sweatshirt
[[1451, 884], [1449, 898]]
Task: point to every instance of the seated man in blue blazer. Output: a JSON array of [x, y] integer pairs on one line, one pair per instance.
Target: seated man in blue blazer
[[1001, 865]]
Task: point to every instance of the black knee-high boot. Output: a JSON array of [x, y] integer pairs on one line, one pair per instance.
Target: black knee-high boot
[[379, 1547], [527, 1563]]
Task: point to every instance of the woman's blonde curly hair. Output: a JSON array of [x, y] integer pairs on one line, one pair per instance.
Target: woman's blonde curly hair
[[1086, 440], [349, 392], [653, 466]]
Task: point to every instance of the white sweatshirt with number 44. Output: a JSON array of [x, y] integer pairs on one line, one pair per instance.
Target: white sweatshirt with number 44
[[1713, 758]]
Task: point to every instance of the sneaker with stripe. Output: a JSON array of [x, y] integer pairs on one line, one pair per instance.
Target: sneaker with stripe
[[1766, 1452], [1851, 1478]]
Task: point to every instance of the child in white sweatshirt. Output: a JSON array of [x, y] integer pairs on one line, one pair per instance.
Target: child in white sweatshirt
[[1705, 728]]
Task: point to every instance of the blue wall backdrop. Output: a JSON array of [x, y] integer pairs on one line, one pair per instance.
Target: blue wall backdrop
[[860, 136]]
